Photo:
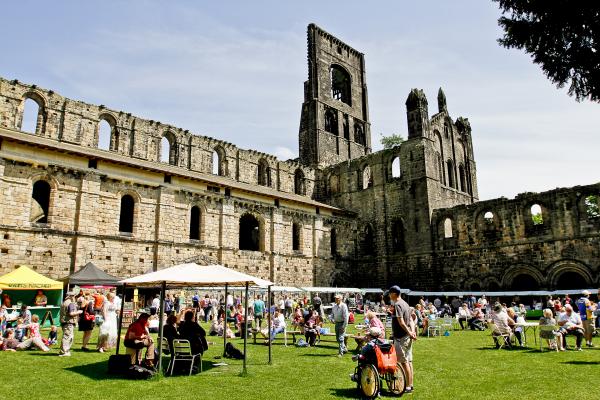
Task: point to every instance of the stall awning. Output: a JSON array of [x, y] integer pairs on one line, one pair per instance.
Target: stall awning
[[90, 274], [319, 289], [194, 275], [24, 278]]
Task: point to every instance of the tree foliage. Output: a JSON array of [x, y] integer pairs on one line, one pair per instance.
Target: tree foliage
[[562, 36], [391, 141]]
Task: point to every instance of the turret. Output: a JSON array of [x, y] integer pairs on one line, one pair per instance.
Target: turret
[[442, 106], [417, 114]]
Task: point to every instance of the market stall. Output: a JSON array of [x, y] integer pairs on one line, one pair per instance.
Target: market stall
[[22, 285], [90, 276]]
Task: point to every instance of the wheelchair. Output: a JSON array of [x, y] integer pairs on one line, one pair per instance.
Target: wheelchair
[[369, 375]]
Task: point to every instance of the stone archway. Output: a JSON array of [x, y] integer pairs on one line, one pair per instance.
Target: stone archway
[[522, 277], [570, 274]]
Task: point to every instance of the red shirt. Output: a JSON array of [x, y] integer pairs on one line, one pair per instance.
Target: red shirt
[[137, 329]]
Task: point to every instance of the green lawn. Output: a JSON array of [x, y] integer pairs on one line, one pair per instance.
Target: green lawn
[[461, 366]]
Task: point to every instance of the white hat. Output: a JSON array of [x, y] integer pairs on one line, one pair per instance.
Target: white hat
[[586, 293], [374, 332]]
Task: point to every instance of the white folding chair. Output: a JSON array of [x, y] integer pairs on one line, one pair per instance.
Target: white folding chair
[[548, 329], [500, 338], [183, 352], [446, 324], [166, 351], [433, 327]]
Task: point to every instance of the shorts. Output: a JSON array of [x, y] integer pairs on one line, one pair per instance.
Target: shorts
[[403, 348], [588, 326]]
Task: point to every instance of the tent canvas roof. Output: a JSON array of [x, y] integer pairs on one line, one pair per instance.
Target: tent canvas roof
[[194, 275], [24, 278], [318, 289], [92, 275]]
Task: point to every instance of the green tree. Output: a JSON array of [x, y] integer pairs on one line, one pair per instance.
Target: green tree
[[562, 36], [391, 141]]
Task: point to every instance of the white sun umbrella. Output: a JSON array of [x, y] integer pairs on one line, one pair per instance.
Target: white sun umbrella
[[194, 275]]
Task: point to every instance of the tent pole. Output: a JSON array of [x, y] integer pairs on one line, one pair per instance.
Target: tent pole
[[244, 371], [269, 323], [120, 324], [160, 324], [225, 323]]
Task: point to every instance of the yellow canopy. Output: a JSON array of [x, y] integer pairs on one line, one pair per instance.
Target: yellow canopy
[[24, 278]]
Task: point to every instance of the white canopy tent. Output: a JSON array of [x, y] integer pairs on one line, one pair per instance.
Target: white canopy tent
[[194, 275], [320, 289]]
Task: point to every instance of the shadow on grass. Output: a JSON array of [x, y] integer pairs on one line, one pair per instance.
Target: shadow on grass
[[345, 392], [581, 362], [99, 370]]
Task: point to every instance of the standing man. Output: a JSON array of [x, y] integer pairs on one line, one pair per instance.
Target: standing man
[[340, 317], [259, 311], [404, 334], [586, 312], [68, 318]]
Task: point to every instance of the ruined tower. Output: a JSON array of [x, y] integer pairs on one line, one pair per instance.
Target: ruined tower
[[334, 125]]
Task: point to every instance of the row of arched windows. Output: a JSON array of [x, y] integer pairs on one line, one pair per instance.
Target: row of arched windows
[[331, 126]]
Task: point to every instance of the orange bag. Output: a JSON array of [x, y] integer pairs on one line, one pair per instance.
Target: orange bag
[[386, 362]]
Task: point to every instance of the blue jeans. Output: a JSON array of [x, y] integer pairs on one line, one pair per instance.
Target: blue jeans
[[340, 331], [275, 331]]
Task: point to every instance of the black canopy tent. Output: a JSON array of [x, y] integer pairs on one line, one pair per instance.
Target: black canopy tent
[[90, 275]]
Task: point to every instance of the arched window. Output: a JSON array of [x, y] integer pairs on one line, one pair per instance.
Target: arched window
[[334, 184], [367, 178], [168, 149], [264, 173], [396, 167], [524, 281], [398, 244], [359, 133], [592, 206], [249, 235], [488, 217], [461, 177], [340, 84], [299, 184], [296, 233], [40, 202], [536, 215], [333, 241], [447, 130], [32, 116], [219, 161], [105, 130], [195, 223], [126, 216], [331, 121], [447, 228], [450, 167], [368, 240]]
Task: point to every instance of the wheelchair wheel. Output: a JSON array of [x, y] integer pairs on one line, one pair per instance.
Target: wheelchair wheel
[[396, 382], [369, 381]]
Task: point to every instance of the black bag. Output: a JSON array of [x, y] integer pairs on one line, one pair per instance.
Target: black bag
[[137, 372], [232, 352], [118, 364]]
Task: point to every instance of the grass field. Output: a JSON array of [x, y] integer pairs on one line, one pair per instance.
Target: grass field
[[463, 365]]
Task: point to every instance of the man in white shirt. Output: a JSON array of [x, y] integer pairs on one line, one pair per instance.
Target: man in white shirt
[[570, 324], [278, 324], [464, 314], [155, 305], [340, 317]]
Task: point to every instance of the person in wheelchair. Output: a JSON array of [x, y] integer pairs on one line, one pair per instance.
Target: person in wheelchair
[[375, 338]]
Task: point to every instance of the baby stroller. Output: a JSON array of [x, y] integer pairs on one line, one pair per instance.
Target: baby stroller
[[377, 363]]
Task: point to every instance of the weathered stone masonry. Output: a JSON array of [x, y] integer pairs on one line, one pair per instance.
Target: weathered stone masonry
[[338, 215]]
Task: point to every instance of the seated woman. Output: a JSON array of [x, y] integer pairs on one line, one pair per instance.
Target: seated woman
[[477, 319], [548, 320], [231, 315], [170, 331], [512, 322], [277, 326], [138, 337], [298, 318], [374, 322], [312, 326], [35, 338], [190, 330], [8, 341]]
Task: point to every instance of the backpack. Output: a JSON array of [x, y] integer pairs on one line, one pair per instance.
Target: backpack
[[137, 372], [232, 352], [302, 343], [386, 358]]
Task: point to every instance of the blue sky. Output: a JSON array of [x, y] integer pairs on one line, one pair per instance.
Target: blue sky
[[235, 71]]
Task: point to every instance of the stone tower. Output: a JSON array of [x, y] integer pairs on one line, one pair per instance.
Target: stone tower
[[334, 125]]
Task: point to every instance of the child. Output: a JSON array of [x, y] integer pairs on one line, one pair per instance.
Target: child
[[53, 335], [9, 343], [35, 338]]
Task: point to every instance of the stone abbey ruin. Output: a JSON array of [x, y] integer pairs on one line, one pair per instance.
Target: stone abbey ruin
[[340, 214]]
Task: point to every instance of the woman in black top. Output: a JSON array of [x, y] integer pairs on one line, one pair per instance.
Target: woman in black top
[[86, 321], [190, 330]]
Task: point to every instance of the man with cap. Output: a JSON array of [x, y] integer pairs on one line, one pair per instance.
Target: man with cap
[[586, 312], [340, 317], [68, 318], [404, 334]]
